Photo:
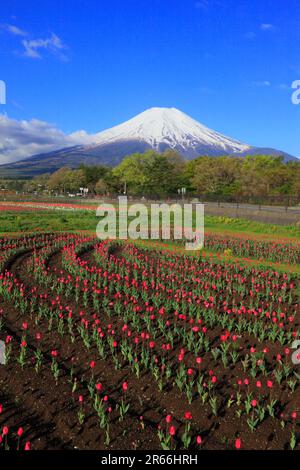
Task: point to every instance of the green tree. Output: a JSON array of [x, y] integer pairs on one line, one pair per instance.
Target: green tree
[[132, 172], [65, 179], [101, 187], [150, 174], [215, 175]]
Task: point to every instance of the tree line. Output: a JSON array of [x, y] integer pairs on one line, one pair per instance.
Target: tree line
[[161, 175]]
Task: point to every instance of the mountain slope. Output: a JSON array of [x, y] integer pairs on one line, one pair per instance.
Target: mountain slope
[[169, 127], [156, 128]]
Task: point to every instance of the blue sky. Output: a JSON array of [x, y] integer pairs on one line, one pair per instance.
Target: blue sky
[[91, 64]]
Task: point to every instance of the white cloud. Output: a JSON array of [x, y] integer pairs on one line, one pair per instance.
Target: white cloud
[[33, 47], [202, 3], [205, 4], [14, 30], [266, 26], [268, 84], [21, 139], [262, 27], [283, 86], [263, 83]]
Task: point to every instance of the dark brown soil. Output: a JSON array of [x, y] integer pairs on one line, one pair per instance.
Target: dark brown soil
[[48, 411]]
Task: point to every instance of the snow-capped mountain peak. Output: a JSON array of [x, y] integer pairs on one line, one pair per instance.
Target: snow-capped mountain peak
[[169, 127]]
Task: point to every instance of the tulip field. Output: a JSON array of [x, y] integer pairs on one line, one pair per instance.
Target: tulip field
[[116, 345]]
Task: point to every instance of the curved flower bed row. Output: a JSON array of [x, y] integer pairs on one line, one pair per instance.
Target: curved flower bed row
[[180, 352]]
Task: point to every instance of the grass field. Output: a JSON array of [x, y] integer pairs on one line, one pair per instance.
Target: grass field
[[43, 220], [244, 230]]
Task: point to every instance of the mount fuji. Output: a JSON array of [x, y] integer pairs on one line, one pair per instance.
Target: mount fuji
[[158, 129], [163, 128]]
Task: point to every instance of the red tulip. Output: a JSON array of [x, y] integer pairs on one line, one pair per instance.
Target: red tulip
[[172, 431], [125, 386], [20, 432], [199, 440], [27, 446], [238, 443], [5, 431]]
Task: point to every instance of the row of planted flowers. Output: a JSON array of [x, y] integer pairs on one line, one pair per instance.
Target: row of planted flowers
[[246, 247], [186, 323]]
